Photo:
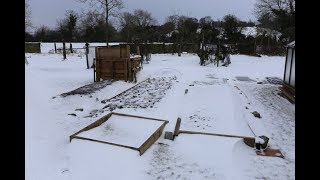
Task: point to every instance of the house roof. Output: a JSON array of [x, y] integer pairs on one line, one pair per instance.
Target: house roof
[[292, 44]]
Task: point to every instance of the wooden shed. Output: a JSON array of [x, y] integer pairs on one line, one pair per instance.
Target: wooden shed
[[116, 62], [288, 87]]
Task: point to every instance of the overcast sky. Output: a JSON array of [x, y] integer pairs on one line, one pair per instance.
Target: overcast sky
[[46, 12]]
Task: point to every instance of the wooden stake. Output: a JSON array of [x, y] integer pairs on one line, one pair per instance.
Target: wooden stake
[[177, 127], [64, 50]]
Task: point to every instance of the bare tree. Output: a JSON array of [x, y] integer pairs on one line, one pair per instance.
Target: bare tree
[[127, 24], [110, 8], [137, 25], [143, 18], [27, 17], [277, 15], [67, 25]]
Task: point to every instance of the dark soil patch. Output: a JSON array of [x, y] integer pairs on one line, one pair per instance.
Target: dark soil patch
[[274, 80], [89, 89]]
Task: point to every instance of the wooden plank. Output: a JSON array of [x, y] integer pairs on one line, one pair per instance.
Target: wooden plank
[[214, 134], [93, 125], [177, 127], [148, 118], [288, 93], [106, 52], [105, 142], [119, 66], [152, 139], [107, 67], [119, 74]]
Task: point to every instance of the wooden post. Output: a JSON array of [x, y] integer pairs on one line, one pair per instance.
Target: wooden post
[[176, 129], [218, 61], [94, 71], [55, 48], [64, 50], [87, 52], [71, 50]]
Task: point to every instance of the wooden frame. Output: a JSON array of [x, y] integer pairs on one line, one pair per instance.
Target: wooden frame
[[142, 148]]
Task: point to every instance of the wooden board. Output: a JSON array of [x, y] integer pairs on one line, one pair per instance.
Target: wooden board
[[214, 134], [152, 139], [270, 152]]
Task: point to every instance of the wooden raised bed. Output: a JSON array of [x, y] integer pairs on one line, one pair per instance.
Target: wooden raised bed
[[142, 148]]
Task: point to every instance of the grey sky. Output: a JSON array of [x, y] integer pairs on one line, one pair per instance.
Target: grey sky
[[46, 12]]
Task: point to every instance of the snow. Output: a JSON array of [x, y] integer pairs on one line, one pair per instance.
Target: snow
[[216, 102], [292, 44], [250, 31], [259, 140], [123, 130]]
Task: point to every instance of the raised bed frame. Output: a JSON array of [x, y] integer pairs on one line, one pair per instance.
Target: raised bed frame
[[143, 147]]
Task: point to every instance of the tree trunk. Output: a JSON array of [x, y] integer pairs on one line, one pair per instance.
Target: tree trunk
[[202, 38], [268, 43], [107, 23]]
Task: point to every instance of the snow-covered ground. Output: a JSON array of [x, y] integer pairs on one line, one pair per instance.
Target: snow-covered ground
[[216, 101]]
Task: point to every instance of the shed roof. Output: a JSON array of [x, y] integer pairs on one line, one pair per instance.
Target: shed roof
[[292, 44]]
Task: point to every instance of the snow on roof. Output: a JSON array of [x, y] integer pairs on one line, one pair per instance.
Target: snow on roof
[[292, 44]]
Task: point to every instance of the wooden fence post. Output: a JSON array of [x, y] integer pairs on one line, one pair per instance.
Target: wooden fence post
[[94, 70], [64, 50], [87, 52], [71, 50]]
